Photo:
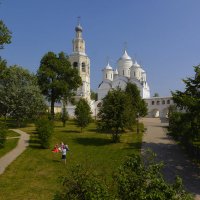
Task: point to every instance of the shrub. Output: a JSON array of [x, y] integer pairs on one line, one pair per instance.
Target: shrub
[[3, 134], [44, 128], [82, 183]]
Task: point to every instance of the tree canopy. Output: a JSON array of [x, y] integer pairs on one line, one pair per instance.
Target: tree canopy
[[57, 79], [186, 124], [5, 35], [82, 113], [116, 113], [20, 96]]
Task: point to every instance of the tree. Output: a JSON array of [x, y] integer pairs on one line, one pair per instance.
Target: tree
[[144, 181], [116, 113], [188, 122], [5, 35], [82, 113], [57, 79], [137, 102], [93, 95], [156, 94], [20, 96]]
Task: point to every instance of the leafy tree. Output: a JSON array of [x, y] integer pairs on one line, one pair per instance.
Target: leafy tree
[[137, 102], [116, 113], [3, 134], [56, 77], [5, 35], [20, 96], [93, 95], [45, 130], [65, 115], [144, 181], [81, 184], [134, 179], [82, 113], [156, 94], [188, 122]]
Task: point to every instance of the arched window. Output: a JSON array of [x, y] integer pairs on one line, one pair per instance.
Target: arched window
[[152, 102], [158, 102], [83, 67], [163, 102], [168, 101], [111, 76], [123, 72], [75, 65], [106, 75]]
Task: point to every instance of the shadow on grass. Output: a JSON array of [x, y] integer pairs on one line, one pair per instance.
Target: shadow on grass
[[34, 142], [93, 141], [70, 131], [135, 146]]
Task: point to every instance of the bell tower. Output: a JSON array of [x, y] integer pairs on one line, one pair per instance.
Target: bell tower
[[81, 62]]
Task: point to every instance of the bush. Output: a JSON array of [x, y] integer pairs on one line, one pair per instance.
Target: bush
[[44, 128], [82, 183], [3, 134]]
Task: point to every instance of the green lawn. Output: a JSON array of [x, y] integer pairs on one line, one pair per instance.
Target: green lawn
[[35, 174], [10, 143]]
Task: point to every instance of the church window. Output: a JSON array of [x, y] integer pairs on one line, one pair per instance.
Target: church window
[[75, 65], [83, 67], [106, 75], [168, 101], [158, 102], [134, 73], [111, 76], [152, 102], [163, 102], [123, 72]]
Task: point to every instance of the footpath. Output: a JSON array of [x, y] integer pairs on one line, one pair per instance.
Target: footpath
[[175, 160], [13, 154]]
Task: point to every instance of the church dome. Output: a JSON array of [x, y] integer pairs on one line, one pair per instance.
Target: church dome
[[78, 28], [125, 56], [136, 64], [108, 66]]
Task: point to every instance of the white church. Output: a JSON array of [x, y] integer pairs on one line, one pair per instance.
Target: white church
[[127, 70]]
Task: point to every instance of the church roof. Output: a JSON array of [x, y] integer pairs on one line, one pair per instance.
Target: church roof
[[136, 64], [116, 71], [79, 28], [108, 66], [125, 56]]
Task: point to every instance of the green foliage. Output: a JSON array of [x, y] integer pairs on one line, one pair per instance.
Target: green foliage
[[82, 113], [57, 79], [116, 113], [134, 179], [184, 122], [93, 95], [5, 35], [138, 104], [156, 94], [20, 95], [144, 181], [81, 184], [3, 135], [64, 116], [45, 130]]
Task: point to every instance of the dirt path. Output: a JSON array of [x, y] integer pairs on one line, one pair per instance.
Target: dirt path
[[12, 155], [176, 162]]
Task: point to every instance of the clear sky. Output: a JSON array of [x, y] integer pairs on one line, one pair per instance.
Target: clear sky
[[162, 35]]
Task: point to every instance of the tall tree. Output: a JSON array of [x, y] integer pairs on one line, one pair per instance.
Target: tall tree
[[116, 113], [56, 77], [139, 105], [20, 96], [5, 35], [189, 101], [82, 113]]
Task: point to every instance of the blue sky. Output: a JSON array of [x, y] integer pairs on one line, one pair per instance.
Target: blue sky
[[162, 35]]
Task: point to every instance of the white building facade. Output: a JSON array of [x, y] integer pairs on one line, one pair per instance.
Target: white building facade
[[126, 71]]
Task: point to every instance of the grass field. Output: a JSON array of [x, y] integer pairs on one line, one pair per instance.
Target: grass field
[[10, 143], [35, 174]]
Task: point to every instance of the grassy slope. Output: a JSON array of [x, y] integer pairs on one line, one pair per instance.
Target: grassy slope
[[10, 143], [35, 174]]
